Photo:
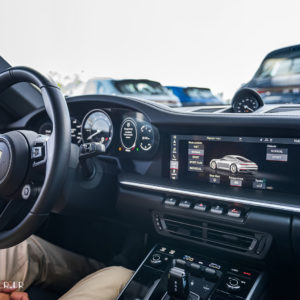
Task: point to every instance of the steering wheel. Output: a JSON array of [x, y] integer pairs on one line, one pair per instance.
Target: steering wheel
[[32, 167]]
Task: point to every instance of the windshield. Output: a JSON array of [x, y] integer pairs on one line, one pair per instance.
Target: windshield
[[176, 53], [276, 67]]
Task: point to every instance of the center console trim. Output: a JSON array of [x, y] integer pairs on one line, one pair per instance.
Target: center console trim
[[136, 271], [182, 192], [257, 287]]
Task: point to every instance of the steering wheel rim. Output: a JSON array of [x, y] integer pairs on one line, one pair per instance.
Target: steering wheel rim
[[57, 159]]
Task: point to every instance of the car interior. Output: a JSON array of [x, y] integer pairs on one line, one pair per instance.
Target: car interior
[[138, 184]]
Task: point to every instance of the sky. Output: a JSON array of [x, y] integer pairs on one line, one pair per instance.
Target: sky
[[213, 43]]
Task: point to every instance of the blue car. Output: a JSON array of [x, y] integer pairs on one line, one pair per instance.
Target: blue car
[[139, 88], [277, 79], [190, 96]]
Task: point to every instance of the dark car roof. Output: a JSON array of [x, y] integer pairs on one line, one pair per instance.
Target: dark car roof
[[199, 88], [285, 52], [189, 87], [135, 81]]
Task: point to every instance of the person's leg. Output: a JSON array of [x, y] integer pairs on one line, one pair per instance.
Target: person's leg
[[14, 264], [105, 284], [37, 261]]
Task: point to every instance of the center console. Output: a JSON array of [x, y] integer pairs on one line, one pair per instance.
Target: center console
[[230, 196], [175, 274]]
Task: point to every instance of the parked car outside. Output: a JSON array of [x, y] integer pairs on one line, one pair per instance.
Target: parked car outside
[[278, 77], [234, 164], [190, 96], [140, 88]]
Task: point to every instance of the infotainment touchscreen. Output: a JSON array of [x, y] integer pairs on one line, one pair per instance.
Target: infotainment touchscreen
[[258, 163]]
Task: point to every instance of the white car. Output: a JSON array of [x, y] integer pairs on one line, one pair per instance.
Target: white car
[[234, 164], [139, 88]]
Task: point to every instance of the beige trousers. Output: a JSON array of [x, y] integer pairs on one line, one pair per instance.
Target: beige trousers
[[35, 261]]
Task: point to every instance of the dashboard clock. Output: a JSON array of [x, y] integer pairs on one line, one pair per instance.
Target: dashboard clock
[[246, 100], [246, 105]]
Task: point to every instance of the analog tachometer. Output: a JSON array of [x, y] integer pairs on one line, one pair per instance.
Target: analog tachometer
[[97, 127]]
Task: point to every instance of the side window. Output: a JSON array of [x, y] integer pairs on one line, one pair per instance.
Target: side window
[[296, 66]]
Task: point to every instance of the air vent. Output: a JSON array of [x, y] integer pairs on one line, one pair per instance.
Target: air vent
[[234, 239], [283, 109], [207, 110]]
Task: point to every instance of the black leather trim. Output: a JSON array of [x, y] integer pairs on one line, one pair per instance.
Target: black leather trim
[[24, 74]]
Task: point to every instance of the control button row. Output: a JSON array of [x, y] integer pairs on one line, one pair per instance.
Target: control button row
[[159, 260], [244, 273], [198, 270], [167, 251], [203, 207]]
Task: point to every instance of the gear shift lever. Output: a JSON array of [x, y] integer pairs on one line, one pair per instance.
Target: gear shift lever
[[178, 285]]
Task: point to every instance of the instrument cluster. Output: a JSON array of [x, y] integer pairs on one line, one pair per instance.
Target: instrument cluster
[[97, 127], [46, 129], [138, 135], [122, 133]]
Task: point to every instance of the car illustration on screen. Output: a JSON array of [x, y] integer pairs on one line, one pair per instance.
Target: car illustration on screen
[[234, 164]]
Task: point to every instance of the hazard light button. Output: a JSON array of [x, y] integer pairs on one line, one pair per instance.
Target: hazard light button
[[234, 212]]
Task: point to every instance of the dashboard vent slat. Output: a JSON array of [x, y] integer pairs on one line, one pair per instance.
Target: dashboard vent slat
[[210, 234], [283, 109]]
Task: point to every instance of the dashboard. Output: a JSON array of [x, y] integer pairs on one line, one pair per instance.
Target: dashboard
[[239, 158], [185, 148], [205, 177], [175, 170]]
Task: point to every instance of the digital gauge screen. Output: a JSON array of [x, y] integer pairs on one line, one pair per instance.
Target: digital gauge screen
[[128, 133]]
